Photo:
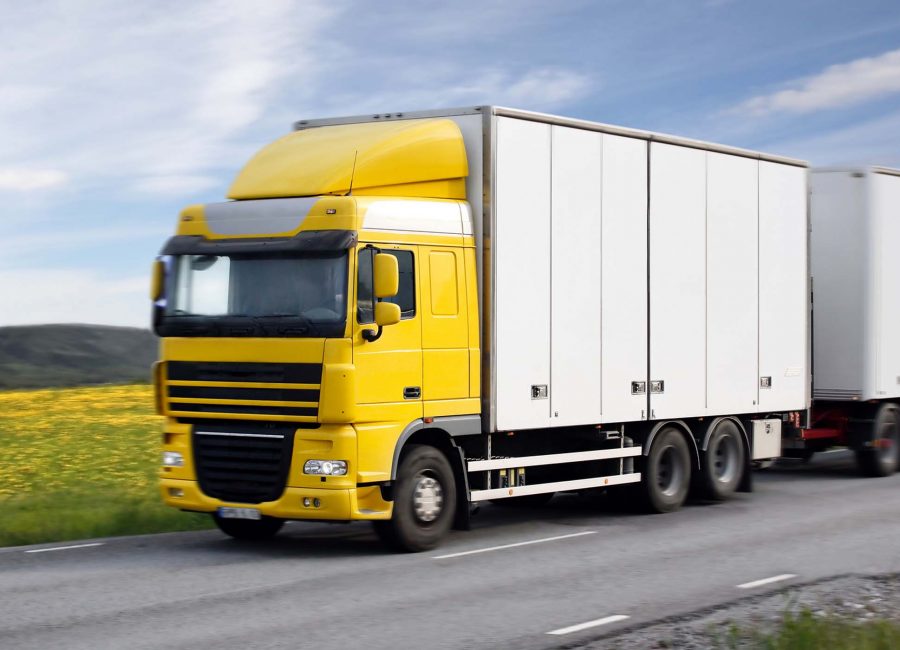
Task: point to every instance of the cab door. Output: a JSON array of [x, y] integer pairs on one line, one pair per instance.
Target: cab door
[[445, 331], [389, 369]]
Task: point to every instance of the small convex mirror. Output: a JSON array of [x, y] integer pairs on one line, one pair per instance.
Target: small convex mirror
[[387, 313]]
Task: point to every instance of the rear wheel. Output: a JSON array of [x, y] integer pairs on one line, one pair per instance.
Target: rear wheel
[[424, 501], [882, 454], [723, 461], [250, 530], [667, 472]]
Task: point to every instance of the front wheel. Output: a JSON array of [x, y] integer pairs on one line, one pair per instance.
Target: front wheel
[[667, 472], [249, 530], [424, 501]]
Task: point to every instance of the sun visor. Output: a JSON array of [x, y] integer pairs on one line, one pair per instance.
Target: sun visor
[[416, 158], [310, 241]]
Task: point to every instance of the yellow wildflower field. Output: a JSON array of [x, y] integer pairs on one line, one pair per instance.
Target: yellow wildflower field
[[80, 462]]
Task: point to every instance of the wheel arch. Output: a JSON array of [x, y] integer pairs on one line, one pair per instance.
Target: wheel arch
[[440, 436], [726, 418], [685, 429]]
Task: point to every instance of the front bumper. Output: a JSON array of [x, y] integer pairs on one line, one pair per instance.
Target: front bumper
[[359, 503]]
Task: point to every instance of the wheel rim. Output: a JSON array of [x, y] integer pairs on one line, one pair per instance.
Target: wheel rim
[[725, 455], [428, 498], [670, 472]]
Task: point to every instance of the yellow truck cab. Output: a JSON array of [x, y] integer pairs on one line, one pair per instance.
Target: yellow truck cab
[[394, 317]]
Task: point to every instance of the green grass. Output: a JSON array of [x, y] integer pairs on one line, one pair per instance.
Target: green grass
[[60, 517], [804, 631], [82, 462]]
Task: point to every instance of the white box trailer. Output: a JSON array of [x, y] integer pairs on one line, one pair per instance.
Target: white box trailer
[[856, 274], [639, 277], [630, 280]]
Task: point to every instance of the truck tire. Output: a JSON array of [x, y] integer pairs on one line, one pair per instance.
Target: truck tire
[[249, 530], [667, 472], [424, 501], [723, 462], [882, 456]]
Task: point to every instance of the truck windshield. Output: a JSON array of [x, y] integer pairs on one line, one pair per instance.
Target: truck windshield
[[251, 295]]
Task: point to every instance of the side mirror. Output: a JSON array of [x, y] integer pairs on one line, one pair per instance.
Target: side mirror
[[386, 313], [157, 276], [387, 276]]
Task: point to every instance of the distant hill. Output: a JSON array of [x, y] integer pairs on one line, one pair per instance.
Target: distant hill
[[43, 356]]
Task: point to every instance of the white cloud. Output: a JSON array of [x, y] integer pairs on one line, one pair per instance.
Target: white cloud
[[540, 88], [547, 86], [33, 296], [872, 142], [133, 95], [26, 180], [837, 86], [175, 184], [21, 246]]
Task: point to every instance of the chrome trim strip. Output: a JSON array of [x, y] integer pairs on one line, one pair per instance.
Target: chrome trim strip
[[553, 459], [559, 486], [239, 435]]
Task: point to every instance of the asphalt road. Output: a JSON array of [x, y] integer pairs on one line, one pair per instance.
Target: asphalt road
[[563, 575]]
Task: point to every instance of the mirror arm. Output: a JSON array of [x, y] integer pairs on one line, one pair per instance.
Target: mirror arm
[[372, 335]]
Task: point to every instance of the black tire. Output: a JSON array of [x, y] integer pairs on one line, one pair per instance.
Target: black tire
[[724, 461], [882, 454], [249, 530], [528, 501], [424, 501], [667, 472]]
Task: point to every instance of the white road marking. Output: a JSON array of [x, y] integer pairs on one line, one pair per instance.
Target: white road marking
[[767, 581], [583, 626], [505, 546], [64, 548]]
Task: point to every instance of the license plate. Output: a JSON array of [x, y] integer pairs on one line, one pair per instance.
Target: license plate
[[239, 513]]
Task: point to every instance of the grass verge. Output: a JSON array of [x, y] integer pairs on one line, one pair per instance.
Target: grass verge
[[806, 631], [61, 517], [82, 462]]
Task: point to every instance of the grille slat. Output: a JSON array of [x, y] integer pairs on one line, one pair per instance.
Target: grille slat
[[270, 373], [260, 394], [295, 402], [307, 411]]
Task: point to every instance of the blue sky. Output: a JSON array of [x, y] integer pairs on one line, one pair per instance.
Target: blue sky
[[114, 115]]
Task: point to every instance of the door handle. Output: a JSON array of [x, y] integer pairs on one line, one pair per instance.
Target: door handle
[[412, 392]]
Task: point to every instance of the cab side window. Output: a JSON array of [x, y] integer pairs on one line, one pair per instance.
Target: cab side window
[[406, 296], [365, 293]]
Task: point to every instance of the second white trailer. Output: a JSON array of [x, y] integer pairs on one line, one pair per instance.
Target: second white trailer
[[856, 270]]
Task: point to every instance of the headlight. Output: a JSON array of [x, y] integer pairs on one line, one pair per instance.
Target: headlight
[[326, 467], [172, 459]]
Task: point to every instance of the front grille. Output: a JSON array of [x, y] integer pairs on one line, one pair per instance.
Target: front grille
[[200, 389], [242, 467]]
